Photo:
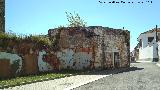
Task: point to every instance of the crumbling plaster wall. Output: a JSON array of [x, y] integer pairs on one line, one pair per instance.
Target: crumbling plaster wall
[[111, 41], [12, 58], [75, 50], [83, 47]]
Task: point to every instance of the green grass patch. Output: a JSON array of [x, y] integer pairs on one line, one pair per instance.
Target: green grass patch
[[29, 79], [38, 78]]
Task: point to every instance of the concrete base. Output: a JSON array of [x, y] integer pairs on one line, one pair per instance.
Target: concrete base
[[149, 59], [158, 64]]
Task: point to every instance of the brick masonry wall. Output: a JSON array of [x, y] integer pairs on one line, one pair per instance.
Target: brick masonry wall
[[74, 48], [102, 47]]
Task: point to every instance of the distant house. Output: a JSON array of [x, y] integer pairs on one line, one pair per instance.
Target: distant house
[[91, 47], [148, 45], [135, 54], [132, 56]]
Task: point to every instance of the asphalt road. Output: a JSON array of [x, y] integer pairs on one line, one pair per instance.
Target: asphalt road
[[140, 76]]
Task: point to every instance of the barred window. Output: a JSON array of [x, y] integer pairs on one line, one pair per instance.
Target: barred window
[[150, 39], [140, 43]]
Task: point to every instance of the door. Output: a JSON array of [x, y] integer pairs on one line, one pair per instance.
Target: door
[[109, 60], [116, 59]]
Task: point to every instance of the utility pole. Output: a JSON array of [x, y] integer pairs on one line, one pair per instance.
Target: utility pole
[[156, 34], [157, 44]]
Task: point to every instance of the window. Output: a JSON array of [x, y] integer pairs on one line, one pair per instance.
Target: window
[[150, 39], [140, 43]]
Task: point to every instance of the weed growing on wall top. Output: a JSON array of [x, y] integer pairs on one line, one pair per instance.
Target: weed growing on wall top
[[40, 39], [75, 20], [7, 38]]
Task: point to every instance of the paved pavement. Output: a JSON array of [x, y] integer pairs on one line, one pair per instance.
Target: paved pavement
[[142, 76], [66, 83], [59, 84]]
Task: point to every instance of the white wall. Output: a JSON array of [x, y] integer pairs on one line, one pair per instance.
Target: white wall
[[67, 57], [148, 50], [43, 66], [159, 50]]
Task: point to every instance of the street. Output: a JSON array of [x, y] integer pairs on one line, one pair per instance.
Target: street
[[140, 76]]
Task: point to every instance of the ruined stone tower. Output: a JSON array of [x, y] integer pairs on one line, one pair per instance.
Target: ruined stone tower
[[2, 15]]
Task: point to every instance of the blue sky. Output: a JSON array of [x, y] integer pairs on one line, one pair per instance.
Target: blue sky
[[37, 16]]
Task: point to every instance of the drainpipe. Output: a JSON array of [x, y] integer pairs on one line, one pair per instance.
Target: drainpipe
[[156, 33]]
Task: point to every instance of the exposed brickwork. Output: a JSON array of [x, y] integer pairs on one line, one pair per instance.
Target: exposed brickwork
[[73, 48], [106, 47]]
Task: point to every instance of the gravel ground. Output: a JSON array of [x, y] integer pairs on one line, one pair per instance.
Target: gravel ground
[[141, 76]]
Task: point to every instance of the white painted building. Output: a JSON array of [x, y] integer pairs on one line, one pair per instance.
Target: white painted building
[[148, 46]]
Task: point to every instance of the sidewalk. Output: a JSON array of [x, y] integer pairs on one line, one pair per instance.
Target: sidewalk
[[67, 83]]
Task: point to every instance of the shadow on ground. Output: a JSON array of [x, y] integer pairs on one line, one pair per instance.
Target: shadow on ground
[[135, 62], [113, 71], [130, 69], [101, 72]]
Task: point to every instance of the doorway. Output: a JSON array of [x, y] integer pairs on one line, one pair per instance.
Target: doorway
[[116, 60]]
